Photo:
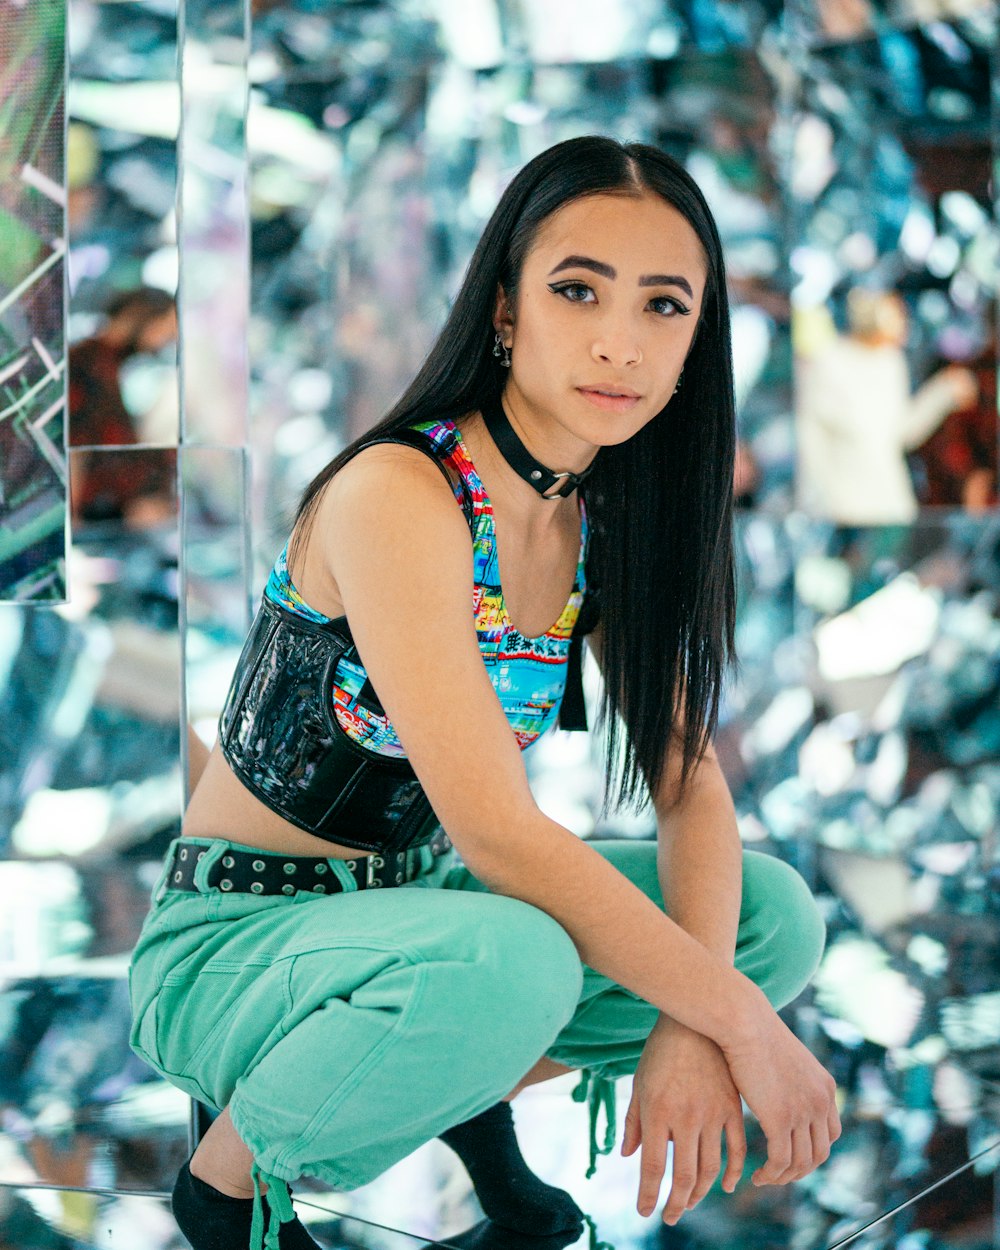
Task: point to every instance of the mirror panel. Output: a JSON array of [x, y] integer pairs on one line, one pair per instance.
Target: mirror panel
[[895, 266], [32, 305], [90, 795], [215, 578], [860, 744], [122, 189], [213, 225]]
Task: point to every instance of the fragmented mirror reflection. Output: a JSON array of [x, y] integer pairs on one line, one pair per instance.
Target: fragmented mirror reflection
[[849, 172], [90, 794], [895, 261], [32, 304], [121, 173]]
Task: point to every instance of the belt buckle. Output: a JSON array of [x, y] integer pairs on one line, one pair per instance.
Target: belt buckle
[[370, 861]]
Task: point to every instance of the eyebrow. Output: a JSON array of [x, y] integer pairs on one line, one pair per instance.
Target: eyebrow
[[607, 271]]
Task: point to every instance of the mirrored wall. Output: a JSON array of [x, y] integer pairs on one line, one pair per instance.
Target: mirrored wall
[[246, 300], [32, 305]]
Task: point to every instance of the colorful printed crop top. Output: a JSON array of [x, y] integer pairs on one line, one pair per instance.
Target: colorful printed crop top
[[528, 674]]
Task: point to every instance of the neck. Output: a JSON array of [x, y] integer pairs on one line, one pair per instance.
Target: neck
[[550, 484], [543, 437]]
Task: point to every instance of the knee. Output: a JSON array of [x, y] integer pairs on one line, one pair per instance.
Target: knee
[[782, 932], [520, 970]]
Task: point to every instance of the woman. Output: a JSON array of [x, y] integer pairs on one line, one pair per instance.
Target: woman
[[336, 1034]]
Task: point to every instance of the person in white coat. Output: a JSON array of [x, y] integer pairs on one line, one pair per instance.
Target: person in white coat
[[857, 418]]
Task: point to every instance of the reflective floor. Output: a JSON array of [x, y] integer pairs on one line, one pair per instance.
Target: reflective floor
[[426, 1199]]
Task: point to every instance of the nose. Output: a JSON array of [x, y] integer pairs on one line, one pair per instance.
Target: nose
[[616, 345]]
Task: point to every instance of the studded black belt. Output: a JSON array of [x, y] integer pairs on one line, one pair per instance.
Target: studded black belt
[[269, 872]]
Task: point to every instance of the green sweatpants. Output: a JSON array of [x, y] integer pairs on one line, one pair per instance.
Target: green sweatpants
[[343, 1031]]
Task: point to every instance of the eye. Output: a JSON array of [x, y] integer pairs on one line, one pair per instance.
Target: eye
[[575, 292], [667, 307]]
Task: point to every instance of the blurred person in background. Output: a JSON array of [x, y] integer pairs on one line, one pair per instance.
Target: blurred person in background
[[319, 965], [856, 418], [137, 488]]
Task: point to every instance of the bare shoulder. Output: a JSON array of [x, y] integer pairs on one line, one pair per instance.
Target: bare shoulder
[[387, 492], [392, 477]]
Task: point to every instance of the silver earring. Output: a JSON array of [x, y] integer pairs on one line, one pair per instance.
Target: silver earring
[[678, 386], [502, 351]]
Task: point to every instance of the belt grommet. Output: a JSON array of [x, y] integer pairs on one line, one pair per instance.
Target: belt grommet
[[321, 868], [184, 854], [256, 887], [399, 878], [228, 861], [352, 864], [201, 856], [289, 868], [259, 865], [225, 884], [375, 884], [288, 889], [319, 889], [377, 861], [178, 876]]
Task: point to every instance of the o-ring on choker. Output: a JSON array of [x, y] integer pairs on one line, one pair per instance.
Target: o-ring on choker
[[522, 461]]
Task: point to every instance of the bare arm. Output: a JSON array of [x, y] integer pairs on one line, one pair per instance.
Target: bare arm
[[700, 858], [436, 691]]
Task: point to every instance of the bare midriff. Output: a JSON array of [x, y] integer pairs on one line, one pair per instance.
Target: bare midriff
[[222, 807]]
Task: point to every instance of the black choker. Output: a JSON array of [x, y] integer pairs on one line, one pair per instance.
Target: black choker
[[522, 461]]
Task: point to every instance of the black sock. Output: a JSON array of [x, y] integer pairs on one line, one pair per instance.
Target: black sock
[[510, 1194], [211, 1220]]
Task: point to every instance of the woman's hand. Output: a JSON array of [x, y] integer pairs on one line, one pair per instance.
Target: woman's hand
[[683, 1092], [788, 1090]]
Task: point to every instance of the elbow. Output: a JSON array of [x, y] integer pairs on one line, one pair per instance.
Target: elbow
[[497, 850]]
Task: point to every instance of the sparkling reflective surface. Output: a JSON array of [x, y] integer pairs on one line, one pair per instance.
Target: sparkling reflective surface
[[862, 737], [32, 306]]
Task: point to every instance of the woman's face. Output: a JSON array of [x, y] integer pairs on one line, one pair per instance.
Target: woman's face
[[607, 306]]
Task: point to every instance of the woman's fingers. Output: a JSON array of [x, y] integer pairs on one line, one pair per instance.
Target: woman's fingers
[[709, 1166], [778, 1161], [654, 1161], [633, 1131], [820, 1144], [685, 1176], [736, 1152], [790, 1156]]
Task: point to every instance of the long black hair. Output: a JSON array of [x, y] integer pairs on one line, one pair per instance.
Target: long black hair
[[660, 504]]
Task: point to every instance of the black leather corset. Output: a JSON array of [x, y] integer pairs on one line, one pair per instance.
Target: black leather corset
[[279, 735]]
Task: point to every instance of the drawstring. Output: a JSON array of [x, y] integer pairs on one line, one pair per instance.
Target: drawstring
[[602, 1091], [282, 1211], [595, 1242]]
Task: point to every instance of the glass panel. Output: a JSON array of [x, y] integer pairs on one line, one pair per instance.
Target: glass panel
[[215, 577], [122, 174], [32, 304], [213, 224], [90, 796], [895, 267], [861, 745]]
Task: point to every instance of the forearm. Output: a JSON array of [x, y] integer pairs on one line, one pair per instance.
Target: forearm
[[616, 928], [700, 862]]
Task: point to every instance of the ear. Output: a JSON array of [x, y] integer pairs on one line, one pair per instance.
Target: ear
[[503, 319]]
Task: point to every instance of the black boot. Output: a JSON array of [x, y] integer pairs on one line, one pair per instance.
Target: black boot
[[510, 1194]]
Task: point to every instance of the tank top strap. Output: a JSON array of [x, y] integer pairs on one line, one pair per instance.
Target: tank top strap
[[432, 438]]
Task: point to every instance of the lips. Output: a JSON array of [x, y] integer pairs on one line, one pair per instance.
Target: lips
[[614, 392]]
